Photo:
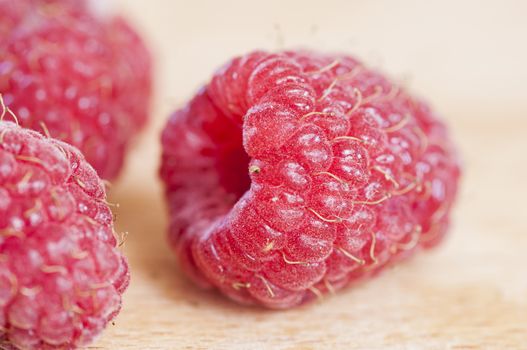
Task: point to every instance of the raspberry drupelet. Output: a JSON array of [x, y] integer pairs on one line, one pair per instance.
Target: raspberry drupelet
[[87, 77], [347, 173], [61, 273]]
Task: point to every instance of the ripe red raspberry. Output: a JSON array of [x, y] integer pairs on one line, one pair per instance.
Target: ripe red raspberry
[[61, 274], [87, 78], [347, 174]]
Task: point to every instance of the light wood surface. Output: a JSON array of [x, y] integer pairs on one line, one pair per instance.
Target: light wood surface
[[469, 59]]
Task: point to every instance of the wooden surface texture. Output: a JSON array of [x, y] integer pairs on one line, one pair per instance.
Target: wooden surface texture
[[469, 59]]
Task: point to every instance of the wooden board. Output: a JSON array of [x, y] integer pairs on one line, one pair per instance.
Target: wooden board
[[469, 59]]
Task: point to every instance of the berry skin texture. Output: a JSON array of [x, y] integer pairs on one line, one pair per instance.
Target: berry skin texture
[[87, 78], [347, 174], [61, 273]]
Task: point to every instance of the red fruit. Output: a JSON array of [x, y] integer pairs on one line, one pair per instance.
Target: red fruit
[[347, 173], [86, 78], [61, 273]]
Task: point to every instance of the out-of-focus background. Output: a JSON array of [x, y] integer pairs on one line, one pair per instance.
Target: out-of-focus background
[[468, 58]]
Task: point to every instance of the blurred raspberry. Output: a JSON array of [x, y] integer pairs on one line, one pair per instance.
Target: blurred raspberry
[[86, 77]]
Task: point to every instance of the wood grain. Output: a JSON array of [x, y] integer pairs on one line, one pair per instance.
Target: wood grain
[[471, 293]]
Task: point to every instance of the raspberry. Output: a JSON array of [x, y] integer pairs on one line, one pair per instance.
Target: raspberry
[[61, 274], [347, 174], [90, 75]]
